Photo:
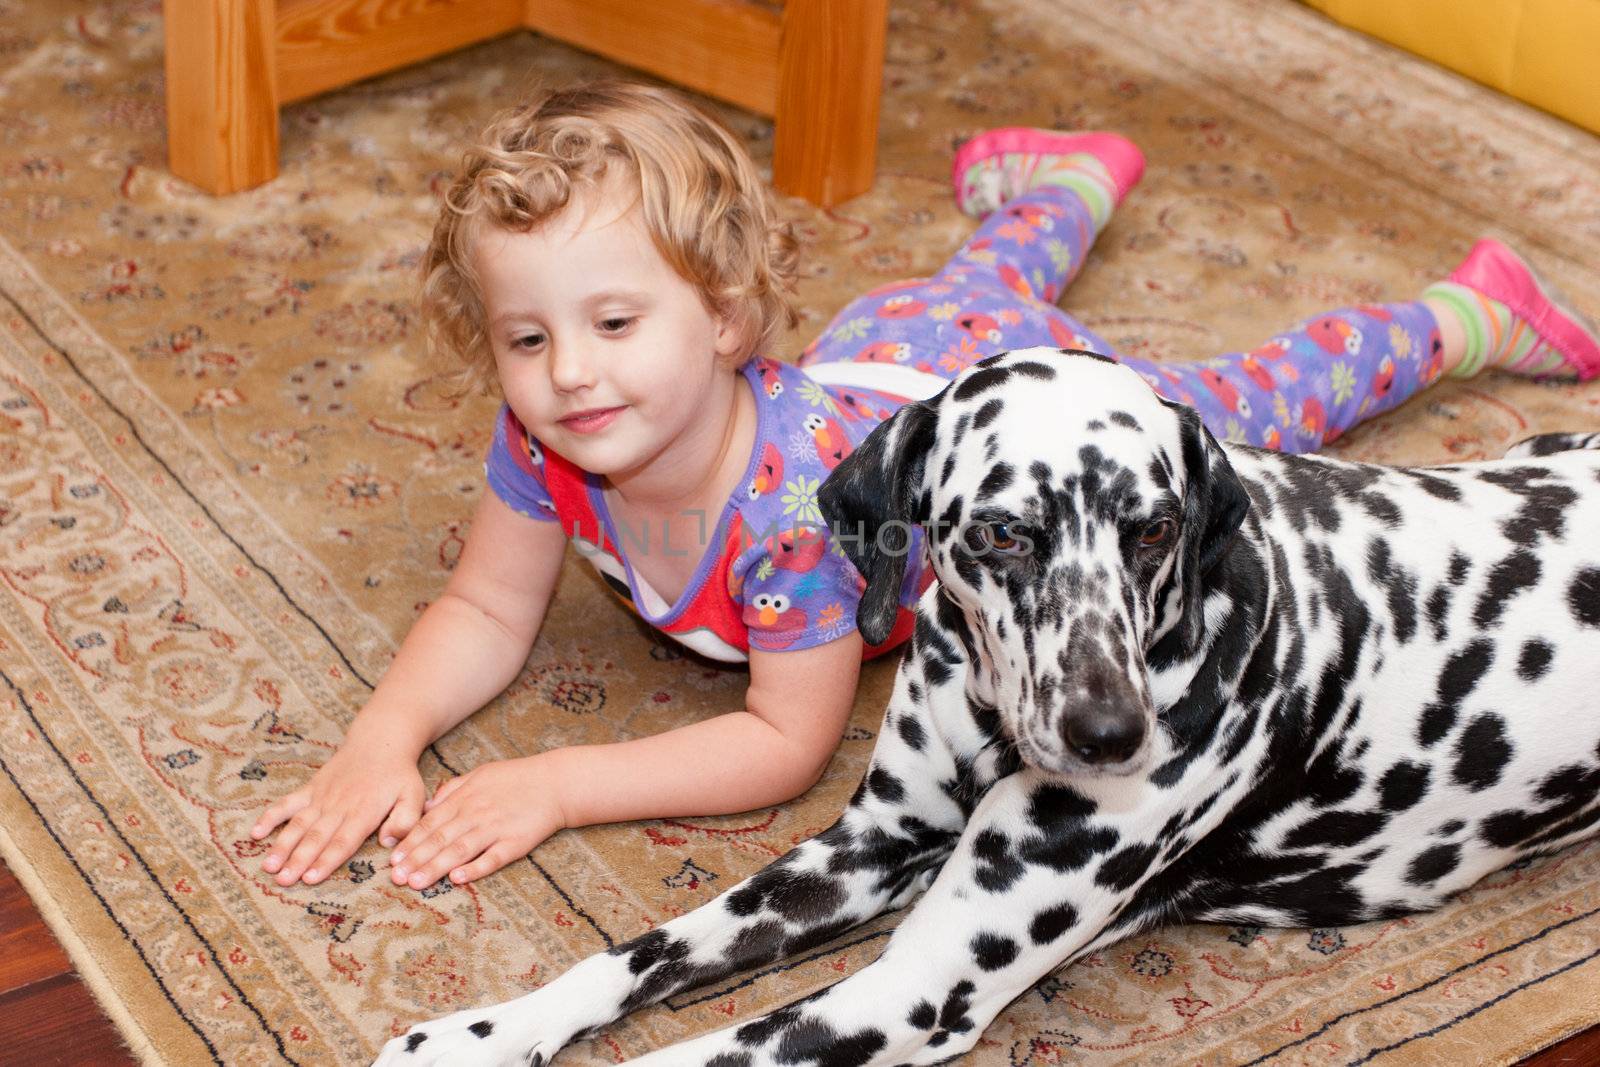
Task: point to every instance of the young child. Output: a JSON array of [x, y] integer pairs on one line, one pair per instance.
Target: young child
[[612, 257]]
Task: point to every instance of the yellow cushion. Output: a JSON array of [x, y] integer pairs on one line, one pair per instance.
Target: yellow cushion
[[1541, 51]]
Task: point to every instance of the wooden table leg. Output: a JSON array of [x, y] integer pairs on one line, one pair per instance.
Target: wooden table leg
[[222, 99], [830, 81]]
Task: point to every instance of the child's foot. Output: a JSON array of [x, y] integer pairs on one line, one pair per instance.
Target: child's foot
[[995, 166], [1515, 321]]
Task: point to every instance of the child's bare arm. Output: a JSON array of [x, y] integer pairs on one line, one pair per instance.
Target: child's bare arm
[[774, 750], [466, 647]]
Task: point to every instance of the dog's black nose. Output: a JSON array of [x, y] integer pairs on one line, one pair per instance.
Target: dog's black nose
[[1104, 737]]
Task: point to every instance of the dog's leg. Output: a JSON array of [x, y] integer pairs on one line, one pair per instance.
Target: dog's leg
[[1044, 873], [933, 755]]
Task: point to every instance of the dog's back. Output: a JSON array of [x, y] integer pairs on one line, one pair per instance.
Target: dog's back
[[1443, 626]]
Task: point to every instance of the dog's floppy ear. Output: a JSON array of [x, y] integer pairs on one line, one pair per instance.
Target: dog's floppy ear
[[881, 481], [1214, 507]]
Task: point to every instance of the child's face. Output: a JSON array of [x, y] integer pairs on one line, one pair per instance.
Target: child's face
[[603, 351]]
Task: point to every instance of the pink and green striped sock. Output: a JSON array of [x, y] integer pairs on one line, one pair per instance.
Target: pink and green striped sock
[[990, 182], [1496, 335]]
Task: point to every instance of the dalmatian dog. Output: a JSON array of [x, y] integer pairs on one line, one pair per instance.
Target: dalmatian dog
[[1158, 680]]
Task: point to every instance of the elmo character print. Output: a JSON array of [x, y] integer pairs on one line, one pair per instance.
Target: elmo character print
[[828, 435], [884, 352], [903, 306], [780, 623], [981, 326], [1224, 391], [798, 550], [1335, 336], [769, 472]]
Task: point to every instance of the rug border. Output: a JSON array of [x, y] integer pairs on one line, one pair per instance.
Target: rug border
[[1508, 1014], [119, 983]]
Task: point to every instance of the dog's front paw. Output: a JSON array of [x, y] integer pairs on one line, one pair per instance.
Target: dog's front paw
[[501, 1036]]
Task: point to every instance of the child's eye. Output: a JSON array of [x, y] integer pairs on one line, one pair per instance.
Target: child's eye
[[615, 324], [529, 341]]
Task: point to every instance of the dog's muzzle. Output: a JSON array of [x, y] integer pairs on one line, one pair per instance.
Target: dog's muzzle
[[1103, 718], [1104, 734]]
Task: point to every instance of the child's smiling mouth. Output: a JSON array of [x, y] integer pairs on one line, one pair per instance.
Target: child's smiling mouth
[[592, 420]]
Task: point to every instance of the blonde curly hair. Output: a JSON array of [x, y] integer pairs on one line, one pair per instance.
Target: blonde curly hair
[[700, 197]]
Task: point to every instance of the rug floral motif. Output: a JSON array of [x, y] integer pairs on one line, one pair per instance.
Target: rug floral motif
[[231, 480]]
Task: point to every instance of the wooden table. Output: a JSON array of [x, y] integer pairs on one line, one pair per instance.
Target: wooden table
[[814, 66]]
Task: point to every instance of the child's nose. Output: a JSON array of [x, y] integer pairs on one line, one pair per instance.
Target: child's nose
[[571, 367]]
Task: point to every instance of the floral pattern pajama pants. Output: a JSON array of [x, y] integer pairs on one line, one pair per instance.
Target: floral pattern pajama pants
[[1300, 389]]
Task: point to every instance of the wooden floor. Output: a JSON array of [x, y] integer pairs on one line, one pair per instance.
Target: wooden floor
[[50, 1020]]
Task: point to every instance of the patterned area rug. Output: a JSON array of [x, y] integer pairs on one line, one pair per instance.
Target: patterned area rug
[[229, 481]]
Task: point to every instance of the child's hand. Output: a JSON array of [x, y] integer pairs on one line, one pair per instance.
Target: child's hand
[[478, 823], [332, 814]]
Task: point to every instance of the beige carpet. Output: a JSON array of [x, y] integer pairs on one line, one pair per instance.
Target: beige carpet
[[228, 482]]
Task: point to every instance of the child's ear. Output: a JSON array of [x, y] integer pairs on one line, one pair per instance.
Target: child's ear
[[732, 340]]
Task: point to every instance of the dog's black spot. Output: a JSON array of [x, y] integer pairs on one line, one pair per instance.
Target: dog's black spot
[[1400, 586], [953, 1016], [729, 1059], [961, 428], [803, 896], [1512, 575], [1542, 514], [1569, 790], [1122, 418], [1482, 753], [814, 1041], [1461, 674], [742, 902], [977, 381], [1435, 486], [1051, 923], [885, 786], [987, 414], [998, 479], [482, 1028], [1381, 508], [911, 732], [1583, 596], [1573, 780], [1070, 851], [1050, 806], [993, 951], [758, 1032], [760, 942], [923, 1016], [1402, 785], [1460, 567], [413, 1040], [1336, 829], [1126, 866], [1438, 605], [1040, 371], [1433, 864], [1534, 660], [1454, 826], [645, 950], [997, 869]]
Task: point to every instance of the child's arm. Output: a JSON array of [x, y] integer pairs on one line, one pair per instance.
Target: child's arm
[[464, 649], [774, 750]]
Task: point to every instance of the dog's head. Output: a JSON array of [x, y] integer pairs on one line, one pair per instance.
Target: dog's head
[[1071, 515]]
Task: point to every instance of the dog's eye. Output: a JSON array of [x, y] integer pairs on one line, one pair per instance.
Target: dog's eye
[[1006, 538], [1156, 534]]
